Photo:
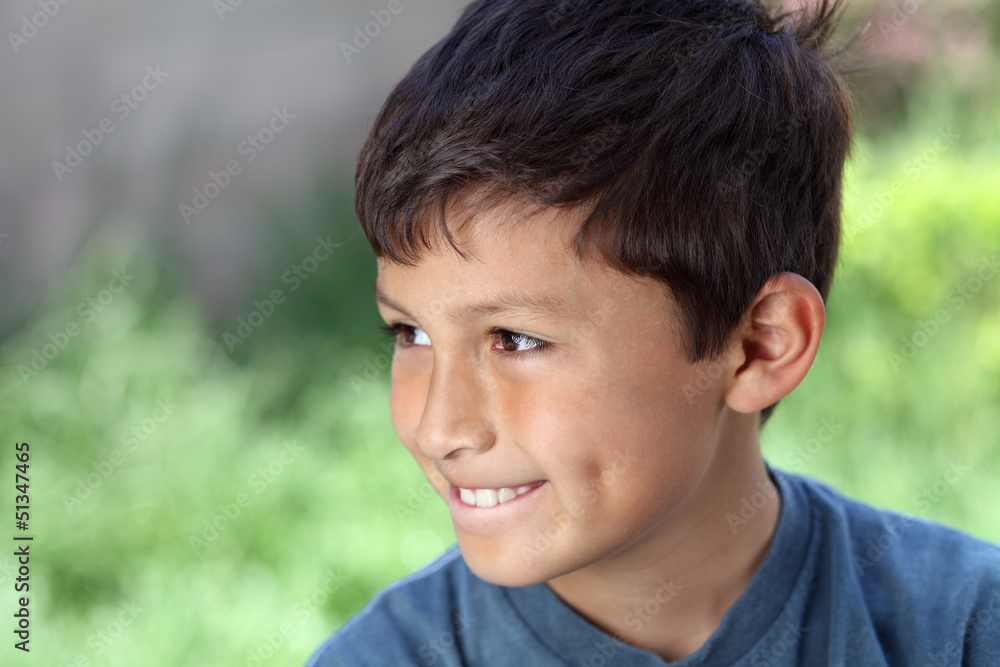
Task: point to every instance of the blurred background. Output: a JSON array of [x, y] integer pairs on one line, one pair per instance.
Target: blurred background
[[187, 330]]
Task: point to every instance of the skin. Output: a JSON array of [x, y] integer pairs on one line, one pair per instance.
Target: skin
[[644, 454]]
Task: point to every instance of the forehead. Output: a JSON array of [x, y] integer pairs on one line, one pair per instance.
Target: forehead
[[523, 266], [512, 265]]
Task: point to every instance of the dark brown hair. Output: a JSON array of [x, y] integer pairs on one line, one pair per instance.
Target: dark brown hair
[[705, 140]]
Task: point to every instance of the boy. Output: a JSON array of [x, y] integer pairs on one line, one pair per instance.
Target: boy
[[605, 233]]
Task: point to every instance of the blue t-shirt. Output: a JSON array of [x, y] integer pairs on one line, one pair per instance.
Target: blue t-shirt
[[842, 583]]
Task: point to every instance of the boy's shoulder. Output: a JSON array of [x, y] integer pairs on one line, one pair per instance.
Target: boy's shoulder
[[922, 588], [887, 544]]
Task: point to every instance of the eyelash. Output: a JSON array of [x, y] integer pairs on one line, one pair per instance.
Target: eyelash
[[539, 345]]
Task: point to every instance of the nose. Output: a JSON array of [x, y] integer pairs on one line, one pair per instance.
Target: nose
[[455, 415]]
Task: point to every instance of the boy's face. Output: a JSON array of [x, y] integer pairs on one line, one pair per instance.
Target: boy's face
[[611, 416]]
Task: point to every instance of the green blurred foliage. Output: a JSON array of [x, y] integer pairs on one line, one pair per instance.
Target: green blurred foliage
[[275, 500]]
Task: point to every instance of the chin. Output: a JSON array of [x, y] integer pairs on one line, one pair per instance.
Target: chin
[[504, 567]]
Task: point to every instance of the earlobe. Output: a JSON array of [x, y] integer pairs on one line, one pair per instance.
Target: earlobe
[[778, 340]]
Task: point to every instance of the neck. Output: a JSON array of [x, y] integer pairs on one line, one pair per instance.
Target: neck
[[668, 592]]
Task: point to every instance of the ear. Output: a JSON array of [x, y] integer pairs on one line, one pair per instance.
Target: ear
[[777, 342]]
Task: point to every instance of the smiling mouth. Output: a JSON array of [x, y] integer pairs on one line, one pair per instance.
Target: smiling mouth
[[491, 497]]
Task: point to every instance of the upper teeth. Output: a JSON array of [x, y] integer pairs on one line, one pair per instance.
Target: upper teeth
[[491, 497]]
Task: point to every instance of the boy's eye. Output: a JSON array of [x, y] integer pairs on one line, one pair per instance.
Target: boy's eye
[[511, 339], [407, 335], [403, 334]]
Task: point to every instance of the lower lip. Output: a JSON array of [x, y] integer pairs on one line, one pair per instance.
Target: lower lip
[[478, 519]]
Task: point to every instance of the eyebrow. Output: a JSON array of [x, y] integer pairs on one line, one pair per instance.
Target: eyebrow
[[502, 301]]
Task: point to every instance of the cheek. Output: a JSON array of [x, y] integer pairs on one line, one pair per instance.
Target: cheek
[[407, 396], [626, 435], [639, 403]]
